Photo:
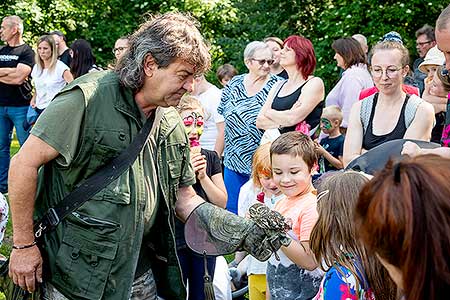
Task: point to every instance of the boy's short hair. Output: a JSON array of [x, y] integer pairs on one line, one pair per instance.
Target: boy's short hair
[[334, 112], [226, 70], [297, 144], [188, 102]]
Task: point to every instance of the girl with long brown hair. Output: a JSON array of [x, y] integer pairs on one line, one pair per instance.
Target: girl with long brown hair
[[404, 218], [351, 272]]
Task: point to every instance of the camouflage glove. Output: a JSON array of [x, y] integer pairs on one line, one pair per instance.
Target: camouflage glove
[[215, 231]]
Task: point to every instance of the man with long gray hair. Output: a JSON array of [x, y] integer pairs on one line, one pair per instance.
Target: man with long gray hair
[[108, 247]]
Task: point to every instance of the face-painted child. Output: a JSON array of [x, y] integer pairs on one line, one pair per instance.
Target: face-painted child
[[330, 123], [191, 112]]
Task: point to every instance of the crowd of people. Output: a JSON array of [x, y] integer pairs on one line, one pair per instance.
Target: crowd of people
[[222, 170]]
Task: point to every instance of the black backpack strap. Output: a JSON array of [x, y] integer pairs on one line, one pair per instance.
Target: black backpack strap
[[95, 183]]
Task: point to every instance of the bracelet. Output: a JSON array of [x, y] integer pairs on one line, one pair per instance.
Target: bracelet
[[24, 246]]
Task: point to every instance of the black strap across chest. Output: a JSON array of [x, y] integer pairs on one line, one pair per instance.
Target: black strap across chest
[[95, 183]]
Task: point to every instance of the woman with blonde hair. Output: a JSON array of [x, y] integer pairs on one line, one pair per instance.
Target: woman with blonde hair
[[49, 74], [351, 273], [390, 113]]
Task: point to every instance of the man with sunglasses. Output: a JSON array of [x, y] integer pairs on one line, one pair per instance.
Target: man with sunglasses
[[443, 43], [425, 40]]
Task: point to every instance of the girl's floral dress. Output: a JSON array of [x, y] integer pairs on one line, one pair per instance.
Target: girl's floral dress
[[340, 284]]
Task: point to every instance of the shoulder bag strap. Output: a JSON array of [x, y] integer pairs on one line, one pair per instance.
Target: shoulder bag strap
[[412, 105], [95, 183], [366, 111]]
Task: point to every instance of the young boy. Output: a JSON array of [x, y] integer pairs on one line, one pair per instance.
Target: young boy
[[331, 148], [294, 158]]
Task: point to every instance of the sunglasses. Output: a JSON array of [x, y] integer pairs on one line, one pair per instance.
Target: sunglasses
[[263, 61]]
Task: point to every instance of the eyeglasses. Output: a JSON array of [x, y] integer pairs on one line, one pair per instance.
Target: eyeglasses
[[390, 72], [423, 43], [120, 49], [263, 61]]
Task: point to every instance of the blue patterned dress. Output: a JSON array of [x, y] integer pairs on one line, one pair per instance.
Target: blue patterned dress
[[240, 112]]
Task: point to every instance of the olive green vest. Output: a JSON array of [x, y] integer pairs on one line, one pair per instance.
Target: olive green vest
[[93, 253]]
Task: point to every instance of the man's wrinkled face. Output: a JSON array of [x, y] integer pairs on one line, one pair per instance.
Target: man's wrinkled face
[[423, 44], [7, 31], [164, 86]]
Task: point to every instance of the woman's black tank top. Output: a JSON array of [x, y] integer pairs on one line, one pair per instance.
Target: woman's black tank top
[[286, 103], [370, 140]]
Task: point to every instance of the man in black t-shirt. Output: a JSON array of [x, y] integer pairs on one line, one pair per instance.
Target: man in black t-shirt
[[16, 62], [61, 45]]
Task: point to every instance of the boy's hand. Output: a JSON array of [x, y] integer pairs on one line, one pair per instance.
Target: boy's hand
[[198, 162], [319, 148]]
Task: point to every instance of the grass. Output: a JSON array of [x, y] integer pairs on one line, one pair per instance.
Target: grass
[[6, 247]]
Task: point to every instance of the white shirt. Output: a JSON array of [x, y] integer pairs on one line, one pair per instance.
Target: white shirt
[[247, 197], [210, 100], [48, 84], [222, 280]]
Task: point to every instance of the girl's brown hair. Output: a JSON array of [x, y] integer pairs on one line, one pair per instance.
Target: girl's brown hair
[[334, 238], [404, 217]]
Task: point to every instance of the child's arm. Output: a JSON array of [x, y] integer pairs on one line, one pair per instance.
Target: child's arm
[[300, 254], [336, 162], [214, 187], [299, 251]]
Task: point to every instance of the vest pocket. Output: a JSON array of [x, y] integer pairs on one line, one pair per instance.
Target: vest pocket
[[85, 257]]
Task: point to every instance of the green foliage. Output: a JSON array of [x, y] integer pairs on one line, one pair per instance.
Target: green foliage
[[230, 24]]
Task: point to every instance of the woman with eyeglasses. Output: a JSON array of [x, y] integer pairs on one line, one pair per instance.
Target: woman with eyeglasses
[[242, 99], [351, 58], [390, 113], [295, 103]]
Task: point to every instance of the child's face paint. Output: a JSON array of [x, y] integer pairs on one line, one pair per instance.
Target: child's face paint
[[193, 123], [325, 124]]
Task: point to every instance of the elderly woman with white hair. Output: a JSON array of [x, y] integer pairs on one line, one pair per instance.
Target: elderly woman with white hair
[[240, 104]]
